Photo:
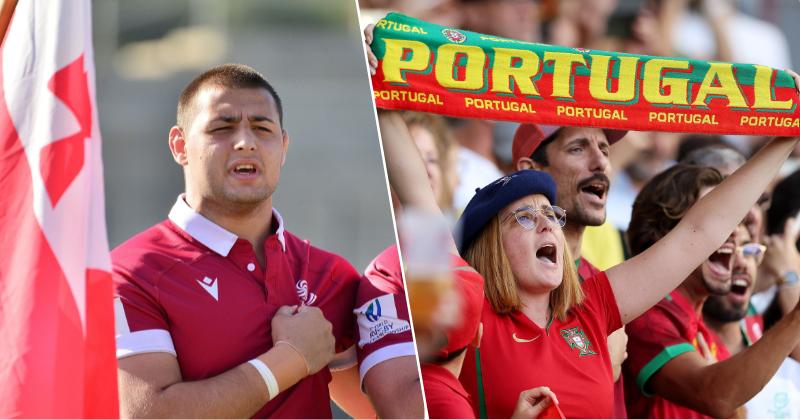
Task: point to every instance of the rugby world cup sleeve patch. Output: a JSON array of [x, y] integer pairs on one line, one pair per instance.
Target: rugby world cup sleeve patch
[[378, 318]]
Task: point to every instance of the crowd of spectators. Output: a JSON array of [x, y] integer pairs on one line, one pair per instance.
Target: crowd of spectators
[[461, 155]]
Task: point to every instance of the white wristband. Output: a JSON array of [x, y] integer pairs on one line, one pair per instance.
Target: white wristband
[[267, 376]]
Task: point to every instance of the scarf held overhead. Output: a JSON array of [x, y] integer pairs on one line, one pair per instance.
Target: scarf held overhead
[[431, 68]]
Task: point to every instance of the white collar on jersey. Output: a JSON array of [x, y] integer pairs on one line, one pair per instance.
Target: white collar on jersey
[[210, 234]]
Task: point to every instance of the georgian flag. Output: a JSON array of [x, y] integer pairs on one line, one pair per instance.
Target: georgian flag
[[56, 304]]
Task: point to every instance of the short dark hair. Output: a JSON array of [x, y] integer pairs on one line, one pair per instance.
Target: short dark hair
[[233, 76], [540, 154], [785, 203], [663, 202]]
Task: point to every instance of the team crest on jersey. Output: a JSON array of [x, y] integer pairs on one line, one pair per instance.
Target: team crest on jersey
[[576, 339], [454, 35], [305, 296]]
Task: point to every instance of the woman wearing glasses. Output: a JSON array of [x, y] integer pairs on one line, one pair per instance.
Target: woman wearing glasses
[[541, 328]]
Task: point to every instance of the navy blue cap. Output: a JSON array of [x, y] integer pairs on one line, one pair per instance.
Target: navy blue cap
[[489, 200]]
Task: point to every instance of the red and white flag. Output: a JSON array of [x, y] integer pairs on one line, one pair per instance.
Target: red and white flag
[[56, 304]]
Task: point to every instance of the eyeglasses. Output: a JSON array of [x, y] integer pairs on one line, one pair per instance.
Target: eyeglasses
[[526, 216], [752, 250]]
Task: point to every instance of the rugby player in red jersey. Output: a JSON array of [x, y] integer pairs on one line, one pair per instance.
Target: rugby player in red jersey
[[220, 310]]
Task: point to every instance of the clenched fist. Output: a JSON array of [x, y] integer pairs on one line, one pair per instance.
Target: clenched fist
[[308, 332]]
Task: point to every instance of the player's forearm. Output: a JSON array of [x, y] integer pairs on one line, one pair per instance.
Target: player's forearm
[[237, 393], [345, 390], [395, 389], [733, 382], [410, 392]]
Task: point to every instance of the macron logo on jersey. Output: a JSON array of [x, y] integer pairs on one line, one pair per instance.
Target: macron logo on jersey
[[210, 285]]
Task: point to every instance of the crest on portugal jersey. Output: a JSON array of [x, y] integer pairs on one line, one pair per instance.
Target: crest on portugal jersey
[[576, 339]]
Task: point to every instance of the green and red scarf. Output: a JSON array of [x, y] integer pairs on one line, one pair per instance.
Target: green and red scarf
[[427, 67]]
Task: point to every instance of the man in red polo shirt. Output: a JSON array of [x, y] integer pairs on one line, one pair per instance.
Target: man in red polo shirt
[[577, 159], [220, 311]]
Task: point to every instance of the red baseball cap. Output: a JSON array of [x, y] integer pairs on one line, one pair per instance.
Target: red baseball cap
[[528, 137]]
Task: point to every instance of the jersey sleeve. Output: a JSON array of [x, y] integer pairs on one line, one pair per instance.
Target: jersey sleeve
[[382, 320], [141, 325], [600, 300], [654, 339]]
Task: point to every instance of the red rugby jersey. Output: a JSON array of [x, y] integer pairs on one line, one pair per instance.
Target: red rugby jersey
[[664, 332], [570, 357], [188, 287], [384, 331]]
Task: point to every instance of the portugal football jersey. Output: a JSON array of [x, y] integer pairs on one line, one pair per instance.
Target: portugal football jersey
[[664, 332], [571, 357], [190, 288]]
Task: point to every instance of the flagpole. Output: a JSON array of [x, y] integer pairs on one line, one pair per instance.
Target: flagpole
[[6, 11]]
